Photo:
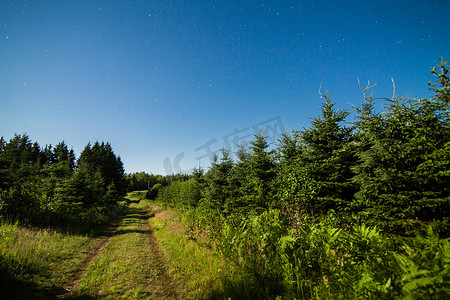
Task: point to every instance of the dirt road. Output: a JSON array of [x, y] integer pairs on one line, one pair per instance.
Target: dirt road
[[125, 262]]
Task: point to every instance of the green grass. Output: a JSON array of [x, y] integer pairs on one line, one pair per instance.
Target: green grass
[[42, 263], [37, 262], [148, 256], [128, 266], [205, 273], [137, 195]]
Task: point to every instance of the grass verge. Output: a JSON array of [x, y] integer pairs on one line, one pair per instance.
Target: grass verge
[[204, 272], [35, 263], [42, 263]]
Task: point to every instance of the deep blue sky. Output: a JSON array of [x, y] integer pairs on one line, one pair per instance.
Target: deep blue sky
[[161, 78]]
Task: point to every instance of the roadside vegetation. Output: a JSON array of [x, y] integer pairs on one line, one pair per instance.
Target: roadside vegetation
[[338, 210], [35, 263], [192, 261]]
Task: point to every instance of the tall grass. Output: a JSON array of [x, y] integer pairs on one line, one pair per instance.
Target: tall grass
[[190, 256], [38, 258], [277, 255]]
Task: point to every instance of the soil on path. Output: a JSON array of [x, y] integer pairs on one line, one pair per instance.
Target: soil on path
[[153, 280], [92, 250]]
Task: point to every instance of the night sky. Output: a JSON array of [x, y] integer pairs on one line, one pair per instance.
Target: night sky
[[169, 82]]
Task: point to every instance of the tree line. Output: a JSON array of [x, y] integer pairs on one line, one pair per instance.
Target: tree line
[[390, 168], [48, 186], [338, 210], [142, 181]]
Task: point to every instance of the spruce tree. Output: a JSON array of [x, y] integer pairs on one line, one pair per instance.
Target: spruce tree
[[327, 159], [238, 190], [19, 161], [367, 127], [289, 151], [261, 172], [101, 158], [217, 189], [403, 169]]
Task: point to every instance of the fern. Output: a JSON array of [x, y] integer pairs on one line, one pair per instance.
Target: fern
[[425, 268]]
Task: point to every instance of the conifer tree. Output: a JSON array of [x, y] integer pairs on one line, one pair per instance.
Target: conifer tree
[[101, 158], [2, 144], [238, 190], [403, 171], [83, 188], [261, 172], [289, 147], [19, 160], [217, 190], [198, 174], [316, 163], [368, 126], [289, 151]]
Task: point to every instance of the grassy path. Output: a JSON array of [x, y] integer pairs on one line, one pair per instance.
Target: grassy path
[[127, 263], [91, 251], [145, 254]]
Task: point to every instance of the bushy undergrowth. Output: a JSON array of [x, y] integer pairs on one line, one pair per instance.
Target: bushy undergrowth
[[296, 256], [43, 211], [338, 210]]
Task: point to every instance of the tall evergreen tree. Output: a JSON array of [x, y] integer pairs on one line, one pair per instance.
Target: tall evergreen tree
[[2, 144], [83, 188], [319, 179], [403, 173], [18, 161], [217, 190], [238, 189], [290, 147], [261, 172], [368, 126], [289, 152], [101, 158]]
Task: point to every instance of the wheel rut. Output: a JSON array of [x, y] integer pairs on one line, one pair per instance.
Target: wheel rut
[[153, 280], [94, 249], [167, 288]]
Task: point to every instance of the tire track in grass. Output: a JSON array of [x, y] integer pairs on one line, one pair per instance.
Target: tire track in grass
[[165, 281], [93, 250], [127, 264]]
